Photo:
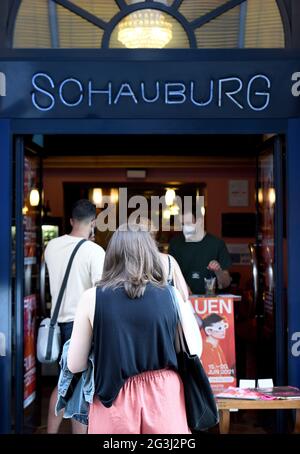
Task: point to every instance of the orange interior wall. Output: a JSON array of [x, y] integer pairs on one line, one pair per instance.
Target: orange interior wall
[[216, 180]]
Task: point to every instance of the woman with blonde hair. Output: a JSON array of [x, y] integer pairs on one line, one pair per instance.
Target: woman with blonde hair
[[130, 321]]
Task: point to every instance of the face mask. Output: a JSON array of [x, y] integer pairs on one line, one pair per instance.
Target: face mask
[[189, 231]]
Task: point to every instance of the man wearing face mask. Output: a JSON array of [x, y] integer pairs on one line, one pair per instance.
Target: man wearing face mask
[[200, 255]]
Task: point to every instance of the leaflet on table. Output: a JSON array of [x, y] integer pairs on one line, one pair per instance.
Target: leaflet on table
[[276, 393], [243, 393], [282, 392]]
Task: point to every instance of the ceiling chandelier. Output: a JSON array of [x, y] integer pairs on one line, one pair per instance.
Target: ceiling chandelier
[[145, 29]]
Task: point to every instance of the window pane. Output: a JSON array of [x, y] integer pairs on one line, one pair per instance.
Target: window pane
[[251, 24], [77, 32], [170, 34], [32, 25], [192, 9], [263, 26], [222, 32], [164, 2], [104, 9]]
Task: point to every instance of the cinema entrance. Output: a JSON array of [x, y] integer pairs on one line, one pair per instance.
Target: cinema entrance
[[214, 111], [51, 173]]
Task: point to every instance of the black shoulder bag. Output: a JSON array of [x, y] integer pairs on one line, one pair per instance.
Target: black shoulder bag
[[201, 408]]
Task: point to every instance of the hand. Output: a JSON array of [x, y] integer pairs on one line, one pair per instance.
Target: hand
[[214, 266], [92, 235]]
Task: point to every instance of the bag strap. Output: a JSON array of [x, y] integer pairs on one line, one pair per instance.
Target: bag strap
[[170, 272], [182, 341], [64, 284], [59, 300]]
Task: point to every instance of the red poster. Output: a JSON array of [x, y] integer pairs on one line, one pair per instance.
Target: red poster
[[216, 318], [29, 350]]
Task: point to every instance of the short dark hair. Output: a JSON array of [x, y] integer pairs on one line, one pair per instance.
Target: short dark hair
[[83, 210], [211, 319]]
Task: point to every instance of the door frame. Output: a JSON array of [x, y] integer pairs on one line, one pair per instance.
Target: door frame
[[10, 128], [275, 146], [5, 275]]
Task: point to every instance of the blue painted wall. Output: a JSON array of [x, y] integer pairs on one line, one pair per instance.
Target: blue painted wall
[[293, 231]]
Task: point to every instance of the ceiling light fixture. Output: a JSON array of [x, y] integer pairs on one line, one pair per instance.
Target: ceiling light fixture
[[145, 29]]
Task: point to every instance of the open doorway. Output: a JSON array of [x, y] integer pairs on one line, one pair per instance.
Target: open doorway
[[238, 183]]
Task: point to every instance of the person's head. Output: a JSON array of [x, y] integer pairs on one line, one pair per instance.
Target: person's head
[[83, 217], [132, 260], [215, 326], [192, 225]]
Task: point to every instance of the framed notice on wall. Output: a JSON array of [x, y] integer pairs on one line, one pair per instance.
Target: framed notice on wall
[[238, 193]]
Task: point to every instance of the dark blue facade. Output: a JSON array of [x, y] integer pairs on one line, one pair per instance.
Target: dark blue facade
[[25, 120]]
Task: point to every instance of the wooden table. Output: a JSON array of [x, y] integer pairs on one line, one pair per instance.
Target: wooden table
[[224, 406]]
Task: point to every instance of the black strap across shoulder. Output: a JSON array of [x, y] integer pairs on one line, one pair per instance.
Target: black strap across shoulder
[[59, 299], [170, 272]]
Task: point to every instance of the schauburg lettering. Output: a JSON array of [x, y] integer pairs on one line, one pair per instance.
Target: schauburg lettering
[[253, 93]]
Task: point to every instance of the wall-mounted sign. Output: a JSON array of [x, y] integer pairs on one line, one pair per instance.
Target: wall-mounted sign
[[239, 253], [150, 89], [238, 193]]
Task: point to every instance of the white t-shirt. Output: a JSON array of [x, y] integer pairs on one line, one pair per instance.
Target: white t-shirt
[[86, 270]]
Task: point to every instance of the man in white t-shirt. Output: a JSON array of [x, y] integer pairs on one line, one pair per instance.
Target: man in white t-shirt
[[85, 272]]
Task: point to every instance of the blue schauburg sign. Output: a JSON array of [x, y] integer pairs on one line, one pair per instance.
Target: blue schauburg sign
[[150, 89]]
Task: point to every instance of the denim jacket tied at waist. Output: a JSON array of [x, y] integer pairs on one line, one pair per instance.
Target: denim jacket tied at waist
[[75, 391]]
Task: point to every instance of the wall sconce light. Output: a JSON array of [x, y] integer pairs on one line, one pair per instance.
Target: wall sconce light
[[271, 196], [114, 195], [260, 196], [166, 214], [170, 196], [34, 197], [174, 209], [97, 196]]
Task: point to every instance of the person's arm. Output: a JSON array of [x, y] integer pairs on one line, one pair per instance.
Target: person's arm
[[97, 262], [178, 279], [221, 265], [81, 338], [189, 325], [223, 276]]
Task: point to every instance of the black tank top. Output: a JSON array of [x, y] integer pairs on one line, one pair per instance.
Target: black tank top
[[131, 336]]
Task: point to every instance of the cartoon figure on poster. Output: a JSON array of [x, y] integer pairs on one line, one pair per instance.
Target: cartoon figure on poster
[[216, 324], [214, 328]]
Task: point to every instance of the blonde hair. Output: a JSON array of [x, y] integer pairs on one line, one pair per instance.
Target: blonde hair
[[132, 261]]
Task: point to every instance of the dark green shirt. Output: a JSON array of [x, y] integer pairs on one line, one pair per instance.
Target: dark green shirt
[[194, 257]]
